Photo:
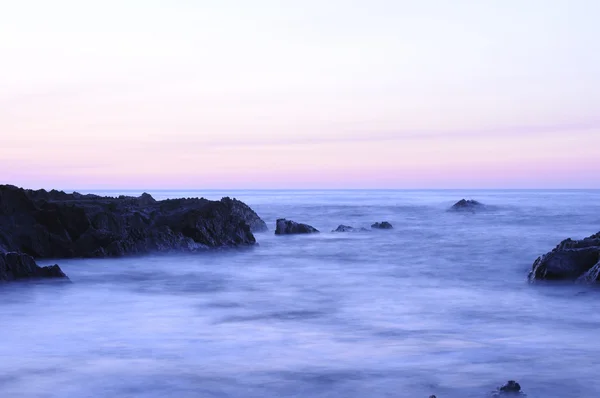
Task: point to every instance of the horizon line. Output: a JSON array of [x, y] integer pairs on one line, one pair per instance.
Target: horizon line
[[80, 190]]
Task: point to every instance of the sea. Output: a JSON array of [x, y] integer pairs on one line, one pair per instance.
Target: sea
[[438, 305]]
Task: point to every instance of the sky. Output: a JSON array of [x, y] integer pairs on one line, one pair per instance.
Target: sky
[[238, 94]]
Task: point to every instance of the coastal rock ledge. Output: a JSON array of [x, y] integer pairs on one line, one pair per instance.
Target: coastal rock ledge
[[18, 266], [55, 224], [571, 260]]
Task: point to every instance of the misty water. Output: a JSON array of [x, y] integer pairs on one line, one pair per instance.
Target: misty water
[[438, 305]]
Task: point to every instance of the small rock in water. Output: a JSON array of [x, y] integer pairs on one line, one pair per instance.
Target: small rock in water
[[288, 227], [466, 204], [512, 386], [347, 228], [382, 225]]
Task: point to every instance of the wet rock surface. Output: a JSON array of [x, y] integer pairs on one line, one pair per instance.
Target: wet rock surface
[[571, 260], [289, 227]]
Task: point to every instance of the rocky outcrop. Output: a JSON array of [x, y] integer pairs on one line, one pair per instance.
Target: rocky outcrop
[[59, 225], [18, 266], [382, 225], [347, 228], [511, 387], [466, 205], [288, 227], [244, 212], [571, 260]]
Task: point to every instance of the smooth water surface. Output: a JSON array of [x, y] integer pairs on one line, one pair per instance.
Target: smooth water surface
[[438, 305]]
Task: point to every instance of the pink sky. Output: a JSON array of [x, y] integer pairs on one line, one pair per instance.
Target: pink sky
[[378, 94]]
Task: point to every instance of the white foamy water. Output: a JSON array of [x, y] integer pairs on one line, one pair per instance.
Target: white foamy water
[[438, 305]]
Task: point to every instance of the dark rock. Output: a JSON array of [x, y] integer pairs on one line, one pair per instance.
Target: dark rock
[[571, 260], [382, 225], [18, 266], [511, 387], [59, 225], [346, 228], [146, 199], [288, 227], [243, 211], [466, 205]]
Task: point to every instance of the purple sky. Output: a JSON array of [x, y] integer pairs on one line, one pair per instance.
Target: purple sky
[[338, 94]]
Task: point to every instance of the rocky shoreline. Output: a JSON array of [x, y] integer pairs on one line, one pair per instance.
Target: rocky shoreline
[[40, 224], [54, 224]]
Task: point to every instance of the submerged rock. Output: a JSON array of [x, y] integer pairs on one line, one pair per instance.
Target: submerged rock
[[571, 260], [466, 205], [59, 225], [19, 266], [288, 227], [347, 228], [382, 225]]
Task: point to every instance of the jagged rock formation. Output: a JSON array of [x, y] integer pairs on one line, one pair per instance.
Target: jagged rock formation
[[55, 224], [243, 211], [347, 228], [571, 260], [382, 225], [466, 205], [17, 266], [288, 227]]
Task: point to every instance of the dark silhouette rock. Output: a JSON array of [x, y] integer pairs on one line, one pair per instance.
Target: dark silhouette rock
[[346, 228], [511, 387], [466, 205], [288, 227], [382, 225], [58, 225], [243, 211], [18, 266], [571, 260], [146, 199]]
